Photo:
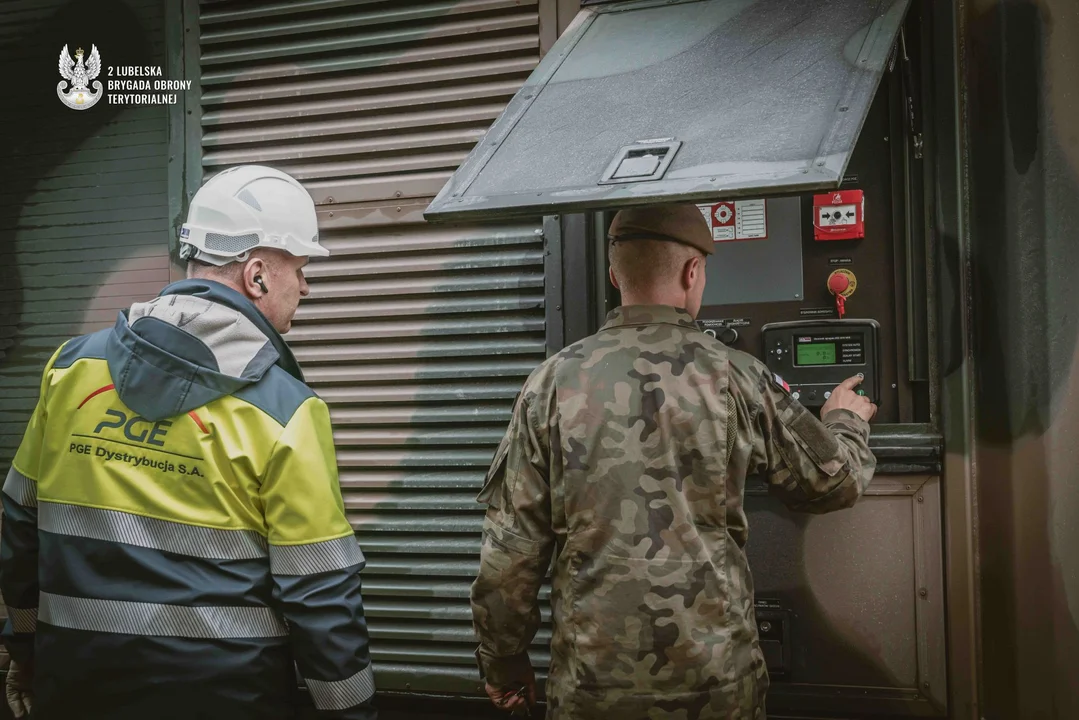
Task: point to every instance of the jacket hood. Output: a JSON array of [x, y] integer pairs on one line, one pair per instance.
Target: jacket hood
[[196, 342]]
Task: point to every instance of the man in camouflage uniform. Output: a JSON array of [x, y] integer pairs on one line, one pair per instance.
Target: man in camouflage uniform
[[628, 453]]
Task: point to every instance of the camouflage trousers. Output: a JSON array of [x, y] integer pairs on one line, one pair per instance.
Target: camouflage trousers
[[743, 699]]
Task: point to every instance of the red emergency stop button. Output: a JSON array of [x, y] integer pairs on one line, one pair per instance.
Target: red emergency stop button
[[838, 283], [842, 282]]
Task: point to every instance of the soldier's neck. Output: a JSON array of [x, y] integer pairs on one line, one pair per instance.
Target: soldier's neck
[[656, 297]]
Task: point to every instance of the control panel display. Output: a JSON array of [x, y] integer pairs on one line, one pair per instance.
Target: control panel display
[[813, 356], [814, 353], [831, 349]]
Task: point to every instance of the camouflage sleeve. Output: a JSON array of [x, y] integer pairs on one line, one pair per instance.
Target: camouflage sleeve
[[815, 466], [515, 551]]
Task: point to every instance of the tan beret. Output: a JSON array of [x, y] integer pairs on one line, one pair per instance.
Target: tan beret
[[677, 222]]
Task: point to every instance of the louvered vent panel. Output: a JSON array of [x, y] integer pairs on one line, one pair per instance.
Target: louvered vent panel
[[360, 100], [419, 338]]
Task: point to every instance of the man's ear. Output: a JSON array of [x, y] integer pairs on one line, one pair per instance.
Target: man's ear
[[254, 268], [614, 280], [689, 273]]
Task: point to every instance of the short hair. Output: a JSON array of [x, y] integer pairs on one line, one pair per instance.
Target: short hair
[[641, 266], [233, 271]]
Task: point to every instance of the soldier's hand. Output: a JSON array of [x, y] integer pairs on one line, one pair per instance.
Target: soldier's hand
[[845, 397], [520, 697]]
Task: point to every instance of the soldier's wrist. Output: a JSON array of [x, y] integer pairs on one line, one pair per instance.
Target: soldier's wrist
[[849, 418], [504, 671]]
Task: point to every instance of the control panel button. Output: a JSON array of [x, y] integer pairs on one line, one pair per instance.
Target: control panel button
[[842, 282], [796, 394], [827, 394], [838, 283]]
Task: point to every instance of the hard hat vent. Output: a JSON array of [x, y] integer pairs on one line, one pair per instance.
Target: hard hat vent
[[250, 199], [230, 243]]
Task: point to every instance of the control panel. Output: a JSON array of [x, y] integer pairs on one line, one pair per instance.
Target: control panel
[[813, 357], [791, 265]]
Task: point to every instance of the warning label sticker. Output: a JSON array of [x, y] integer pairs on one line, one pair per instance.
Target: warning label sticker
[[723, 228], [751, 220], [733, 220]]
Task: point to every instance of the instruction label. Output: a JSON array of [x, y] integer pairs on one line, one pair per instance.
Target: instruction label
[[733, 220], [817, 312], [717, 325]]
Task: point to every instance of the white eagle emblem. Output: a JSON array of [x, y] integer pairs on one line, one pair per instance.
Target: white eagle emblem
[[79, 76]]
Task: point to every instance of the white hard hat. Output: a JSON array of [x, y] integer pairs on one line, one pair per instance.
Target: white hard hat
[[248, 207]]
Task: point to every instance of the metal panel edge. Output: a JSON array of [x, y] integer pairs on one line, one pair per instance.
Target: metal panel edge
[[192, 155], [175, 57], [567, 11], [685, 190], [871, 54], [579, 277], [957, 391], [929, 607], [882, 484], [548, 25], [554, 302]]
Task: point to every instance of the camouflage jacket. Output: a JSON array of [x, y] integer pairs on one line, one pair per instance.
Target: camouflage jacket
[[627, 456]]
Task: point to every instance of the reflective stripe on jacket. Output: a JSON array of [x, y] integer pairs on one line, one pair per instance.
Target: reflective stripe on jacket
[[174, 537]]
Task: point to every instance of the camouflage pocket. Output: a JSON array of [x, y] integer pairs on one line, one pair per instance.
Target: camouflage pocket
[[813, 439], [508, 541], [492, 484]]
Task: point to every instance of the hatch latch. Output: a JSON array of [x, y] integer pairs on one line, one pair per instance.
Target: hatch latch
[[641, 161]]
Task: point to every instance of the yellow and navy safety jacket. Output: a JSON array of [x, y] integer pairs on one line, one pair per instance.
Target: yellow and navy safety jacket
[[174, 539]]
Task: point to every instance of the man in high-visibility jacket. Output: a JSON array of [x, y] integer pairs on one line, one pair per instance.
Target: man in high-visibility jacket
[[174, 539]]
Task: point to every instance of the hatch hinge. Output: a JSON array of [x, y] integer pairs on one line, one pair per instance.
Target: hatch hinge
[[909, 91]]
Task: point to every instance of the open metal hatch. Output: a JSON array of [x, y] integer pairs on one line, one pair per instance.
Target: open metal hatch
[[660, 100]]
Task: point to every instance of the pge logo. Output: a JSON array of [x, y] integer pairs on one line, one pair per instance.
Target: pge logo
[[137, 429]]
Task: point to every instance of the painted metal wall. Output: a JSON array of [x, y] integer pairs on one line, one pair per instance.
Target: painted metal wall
[[83, 198], [1020, 111]]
